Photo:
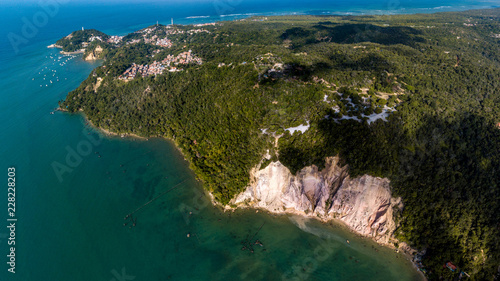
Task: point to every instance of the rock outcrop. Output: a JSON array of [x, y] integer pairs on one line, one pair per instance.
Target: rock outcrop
[[364, 204], [94, 54]]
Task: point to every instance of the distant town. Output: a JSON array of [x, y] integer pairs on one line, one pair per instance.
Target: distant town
[[170, 63]]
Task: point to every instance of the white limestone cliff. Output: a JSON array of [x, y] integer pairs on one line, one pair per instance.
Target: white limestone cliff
[[364, 203], [95, 54]]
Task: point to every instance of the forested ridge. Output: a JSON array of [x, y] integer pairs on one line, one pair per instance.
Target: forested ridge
[[73, 42], [414, 98]]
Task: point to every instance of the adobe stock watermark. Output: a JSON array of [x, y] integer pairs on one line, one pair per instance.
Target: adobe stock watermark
[[31, 25], [302, 270], [223, 7], [3, 237], [76, 154], [393, 5], [121, 276]]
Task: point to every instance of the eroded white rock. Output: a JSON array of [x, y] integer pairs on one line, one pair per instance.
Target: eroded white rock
[[364, 204]]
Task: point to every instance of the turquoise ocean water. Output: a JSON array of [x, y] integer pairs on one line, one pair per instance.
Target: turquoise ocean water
[[71, 227]]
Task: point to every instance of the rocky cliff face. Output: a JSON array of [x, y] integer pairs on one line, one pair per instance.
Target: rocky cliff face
[[364, 204], [94, 54]]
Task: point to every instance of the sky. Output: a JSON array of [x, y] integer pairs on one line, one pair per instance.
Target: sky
[[229, 2], [35, 2], [19, 3]]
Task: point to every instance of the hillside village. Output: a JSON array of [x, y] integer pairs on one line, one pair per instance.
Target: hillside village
[[169, 63]]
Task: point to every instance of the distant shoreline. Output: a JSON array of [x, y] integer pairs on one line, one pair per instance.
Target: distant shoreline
[[227, 208], [110, 133], [81, 51], [54, 46]]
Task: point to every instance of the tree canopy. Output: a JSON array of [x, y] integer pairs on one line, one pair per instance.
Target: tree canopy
[[414, 98]]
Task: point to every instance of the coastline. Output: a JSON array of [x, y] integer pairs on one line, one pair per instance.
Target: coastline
[[109, 133], [81, 51], [408, 252], [404, 249], [391, 242], [54, 132], [55, 46], [325, 220]]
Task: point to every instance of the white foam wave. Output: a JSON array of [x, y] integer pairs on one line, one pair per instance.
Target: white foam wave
[[197, 17]]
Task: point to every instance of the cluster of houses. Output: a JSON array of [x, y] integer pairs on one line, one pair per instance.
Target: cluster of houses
[[133, 41], [169, 30], [204, 24], [147, 30], [155, 40], [143, 70], [169, 63], [114, 39], [162, 42], [261, 19], [183, 58], [172, 31], [93, 38]]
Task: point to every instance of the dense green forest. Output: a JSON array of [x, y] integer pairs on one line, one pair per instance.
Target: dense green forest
[[435, 80], [74, 41]]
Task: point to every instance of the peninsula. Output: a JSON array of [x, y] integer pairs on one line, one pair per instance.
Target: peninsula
[[387, 123]]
